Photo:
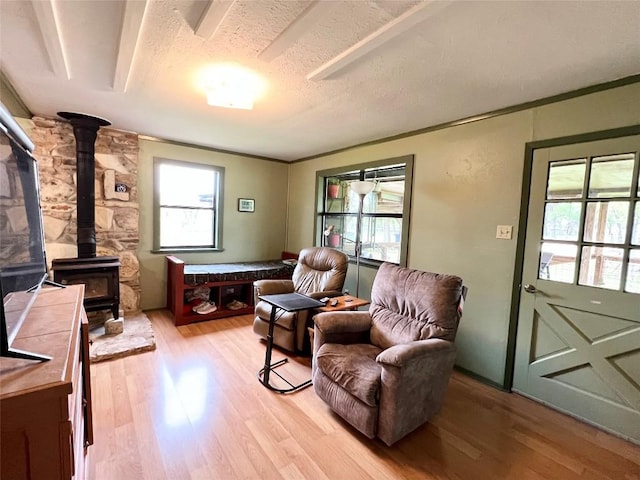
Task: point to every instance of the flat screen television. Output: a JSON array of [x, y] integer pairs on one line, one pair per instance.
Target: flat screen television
[[23, 265]]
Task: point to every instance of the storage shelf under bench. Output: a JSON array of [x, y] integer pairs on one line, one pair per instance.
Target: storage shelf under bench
[[226, 282]]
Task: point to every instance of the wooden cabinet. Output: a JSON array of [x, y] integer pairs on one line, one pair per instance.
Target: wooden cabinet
[[45, 407]]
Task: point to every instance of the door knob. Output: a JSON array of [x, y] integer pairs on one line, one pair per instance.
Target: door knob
[[530, 288]]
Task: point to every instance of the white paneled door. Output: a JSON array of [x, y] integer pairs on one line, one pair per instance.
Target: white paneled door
[[578, 341]]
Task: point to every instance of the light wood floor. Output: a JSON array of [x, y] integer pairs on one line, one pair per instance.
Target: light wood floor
[[194, 409]]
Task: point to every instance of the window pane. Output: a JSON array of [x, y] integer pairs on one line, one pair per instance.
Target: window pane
[[335, 205], [388, 197], [601, 267], [558, 262], [611, 176], [633, 272], [566, 179], [352, 199], [186, 186], [180, 227], [606, 222], [561, 221], [349, 234], [381, 238], [635, 233]]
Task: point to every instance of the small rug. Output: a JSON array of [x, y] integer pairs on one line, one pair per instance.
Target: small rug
[[137, 337]]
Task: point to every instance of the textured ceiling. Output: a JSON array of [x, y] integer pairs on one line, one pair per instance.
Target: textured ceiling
[[399, 65]]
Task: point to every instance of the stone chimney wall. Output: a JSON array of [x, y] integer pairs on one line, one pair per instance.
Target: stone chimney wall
[[117, 211]]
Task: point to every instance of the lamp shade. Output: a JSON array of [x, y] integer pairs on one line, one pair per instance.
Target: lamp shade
[[363, 187]]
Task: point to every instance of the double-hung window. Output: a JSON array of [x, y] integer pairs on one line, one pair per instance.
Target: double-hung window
[[384, 223], [187, 201]]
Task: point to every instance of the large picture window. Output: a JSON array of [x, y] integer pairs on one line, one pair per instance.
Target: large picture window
[[385, 211], [187, 205]]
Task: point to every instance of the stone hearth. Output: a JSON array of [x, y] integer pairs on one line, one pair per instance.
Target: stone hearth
[[137, 337]]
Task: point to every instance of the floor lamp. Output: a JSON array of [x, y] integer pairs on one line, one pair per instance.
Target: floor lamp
[[362, 188]]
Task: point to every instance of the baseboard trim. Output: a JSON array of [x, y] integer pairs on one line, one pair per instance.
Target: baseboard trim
[[480, 378]]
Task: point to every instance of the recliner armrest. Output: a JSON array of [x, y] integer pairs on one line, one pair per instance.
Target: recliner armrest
[[413, 383], [272, 287], [400, 355], [339, 322]]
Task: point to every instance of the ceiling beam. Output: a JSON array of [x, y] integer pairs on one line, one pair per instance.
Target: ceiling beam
[[48, 23], [132, 18], [296, 29], [387, 32], [214, 14]]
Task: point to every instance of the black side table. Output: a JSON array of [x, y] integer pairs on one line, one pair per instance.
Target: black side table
[[290, 302]]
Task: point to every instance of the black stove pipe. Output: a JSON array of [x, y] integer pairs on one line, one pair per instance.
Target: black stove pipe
[[85, 130]]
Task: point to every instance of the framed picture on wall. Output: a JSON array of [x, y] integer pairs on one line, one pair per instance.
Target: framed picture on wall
[[246, 205]]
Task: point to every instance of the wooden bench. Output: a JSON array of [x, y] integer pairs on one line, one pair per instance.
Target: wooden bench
[[226, 282]]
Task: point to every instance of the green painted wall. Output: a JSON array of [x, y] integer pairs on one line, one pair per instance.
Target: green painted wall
[[246, 236], [467, 180], [11, 100]]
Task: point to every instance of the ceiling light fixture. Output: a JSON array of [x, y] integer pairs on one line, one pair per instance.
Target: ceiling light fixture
[[232, 86]]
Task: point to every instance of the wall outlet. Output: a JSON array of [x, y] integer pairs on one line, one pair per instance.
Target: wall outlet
[[504, 232]]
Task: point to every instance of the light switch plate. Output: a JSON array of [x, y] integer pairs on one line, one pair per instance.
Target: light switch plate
[[504, 232]]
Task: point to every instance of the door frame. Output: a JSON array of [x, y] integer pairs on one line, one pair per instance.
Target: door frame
[[516, 290]]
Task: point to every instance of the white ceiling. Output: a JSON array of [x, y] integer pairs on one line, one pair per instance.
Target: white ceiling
[[398, 66]]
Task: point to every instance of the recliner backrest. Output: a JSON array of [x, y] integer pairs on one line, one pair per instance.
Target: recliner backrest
[[320, 269], [408, 305]]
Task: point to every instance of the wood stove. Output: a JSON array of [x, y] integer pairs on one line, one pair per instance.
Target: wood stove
[[101, 278], [100, 275]]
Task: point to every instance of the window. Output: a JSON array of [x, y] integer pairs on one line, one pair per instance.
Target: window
[[591, 229], [187, 199], [385, 211]]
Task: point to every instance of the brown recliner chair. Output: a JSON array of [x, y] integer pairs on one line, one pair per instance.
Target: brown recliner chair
[[320, 272], [386, 371]]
